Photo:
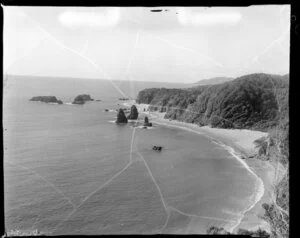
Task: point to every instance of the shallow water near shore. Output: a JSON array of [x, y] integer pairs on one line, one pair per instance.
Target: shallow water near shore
[[68, 170]]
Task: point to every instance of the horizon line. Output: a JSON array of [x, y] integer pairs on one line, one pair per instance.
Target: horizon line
[[196, 82]]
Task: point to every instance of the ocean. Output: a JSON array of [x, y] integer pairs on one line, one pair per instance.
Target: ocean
[[69, 170]]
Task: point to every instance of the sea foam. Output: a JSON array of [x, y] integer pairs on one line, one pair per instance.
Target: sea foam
[[259, 185], [258, 190]]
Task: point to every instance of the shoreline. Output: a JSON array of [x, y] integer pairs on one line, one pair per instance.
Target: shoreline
[[239, 143]]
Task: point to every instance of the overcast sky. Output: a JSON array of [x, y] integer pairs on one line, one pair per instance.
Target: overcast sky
[[178, 45]]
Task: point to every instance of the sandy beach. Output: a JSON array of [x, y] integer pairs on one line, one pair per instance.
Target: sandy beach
[[240, 143]]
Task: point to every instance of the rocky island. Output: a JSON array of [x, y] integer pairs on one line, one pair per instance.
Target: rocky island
[[81, 99], [46, 99], [133, 113], [121, 118]]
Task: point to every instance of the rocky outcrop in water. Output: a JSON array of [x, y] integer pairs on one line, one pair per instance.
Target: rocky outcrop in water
[[81, 99], [157, 148], [133, 113], [46, 99], [146, 122], [121, 118]]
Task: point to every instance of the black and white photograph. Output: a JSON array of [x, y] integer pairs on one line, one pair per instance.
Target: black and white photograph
[[146, 120]]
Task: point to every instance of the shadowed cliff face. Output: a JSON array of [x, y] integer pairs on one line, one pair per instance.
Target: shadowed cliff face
[[250, 102]]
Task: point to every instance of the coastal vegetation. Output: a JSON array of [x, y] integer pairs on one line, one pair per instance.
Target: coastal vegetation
[[248, 102], [256, 102]]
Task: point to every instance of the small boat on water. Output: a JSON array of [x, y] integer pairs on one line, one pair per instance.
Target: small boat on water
[[157, 148]]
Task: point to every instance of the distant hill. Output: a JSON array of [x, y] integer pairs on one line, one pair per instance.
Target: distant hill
[[216, 80]]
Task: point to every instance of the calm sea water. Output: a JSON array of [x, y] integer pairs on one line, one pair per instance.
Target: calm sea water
[[69, 170]]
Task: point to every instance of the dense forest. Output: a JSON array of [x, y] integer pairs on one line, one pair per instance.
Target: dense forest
[[249, 101], [255, 101]]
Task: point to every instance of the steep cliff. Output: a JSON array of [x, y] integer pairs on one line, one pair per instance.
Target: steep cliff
[[248, 102]]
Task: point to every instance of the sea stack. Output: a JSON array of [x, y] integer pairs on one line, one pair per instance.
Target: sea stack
[[121, 118], [146, 122], [81, 99], [133, 113]]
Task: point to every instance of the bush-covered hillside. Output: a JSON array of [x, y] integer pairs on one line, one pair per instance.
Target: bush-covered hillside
[[250, 101], [256, 101]]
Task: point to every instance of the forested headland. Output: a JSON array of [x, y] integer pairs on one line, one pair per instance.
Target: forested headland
[[255, 102]]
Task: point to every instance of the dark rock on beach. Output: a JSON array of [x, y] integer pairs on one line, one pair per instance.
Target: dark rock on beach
[[81, 99], [121, 118], [133, 113], [46, 99]]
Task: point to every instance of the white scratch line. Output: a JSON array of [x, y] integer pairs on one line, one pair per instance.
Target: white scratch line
[[77, 53], [84, 49], [25, 55], [175, 45], [270, 45], [45, 180], [131, 146], [133, 52], [166, 222], [204, 217], [85, 46], [186, 49], [151, 175], [92, 193], [255, 58], [130, 62], [188, 226]]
